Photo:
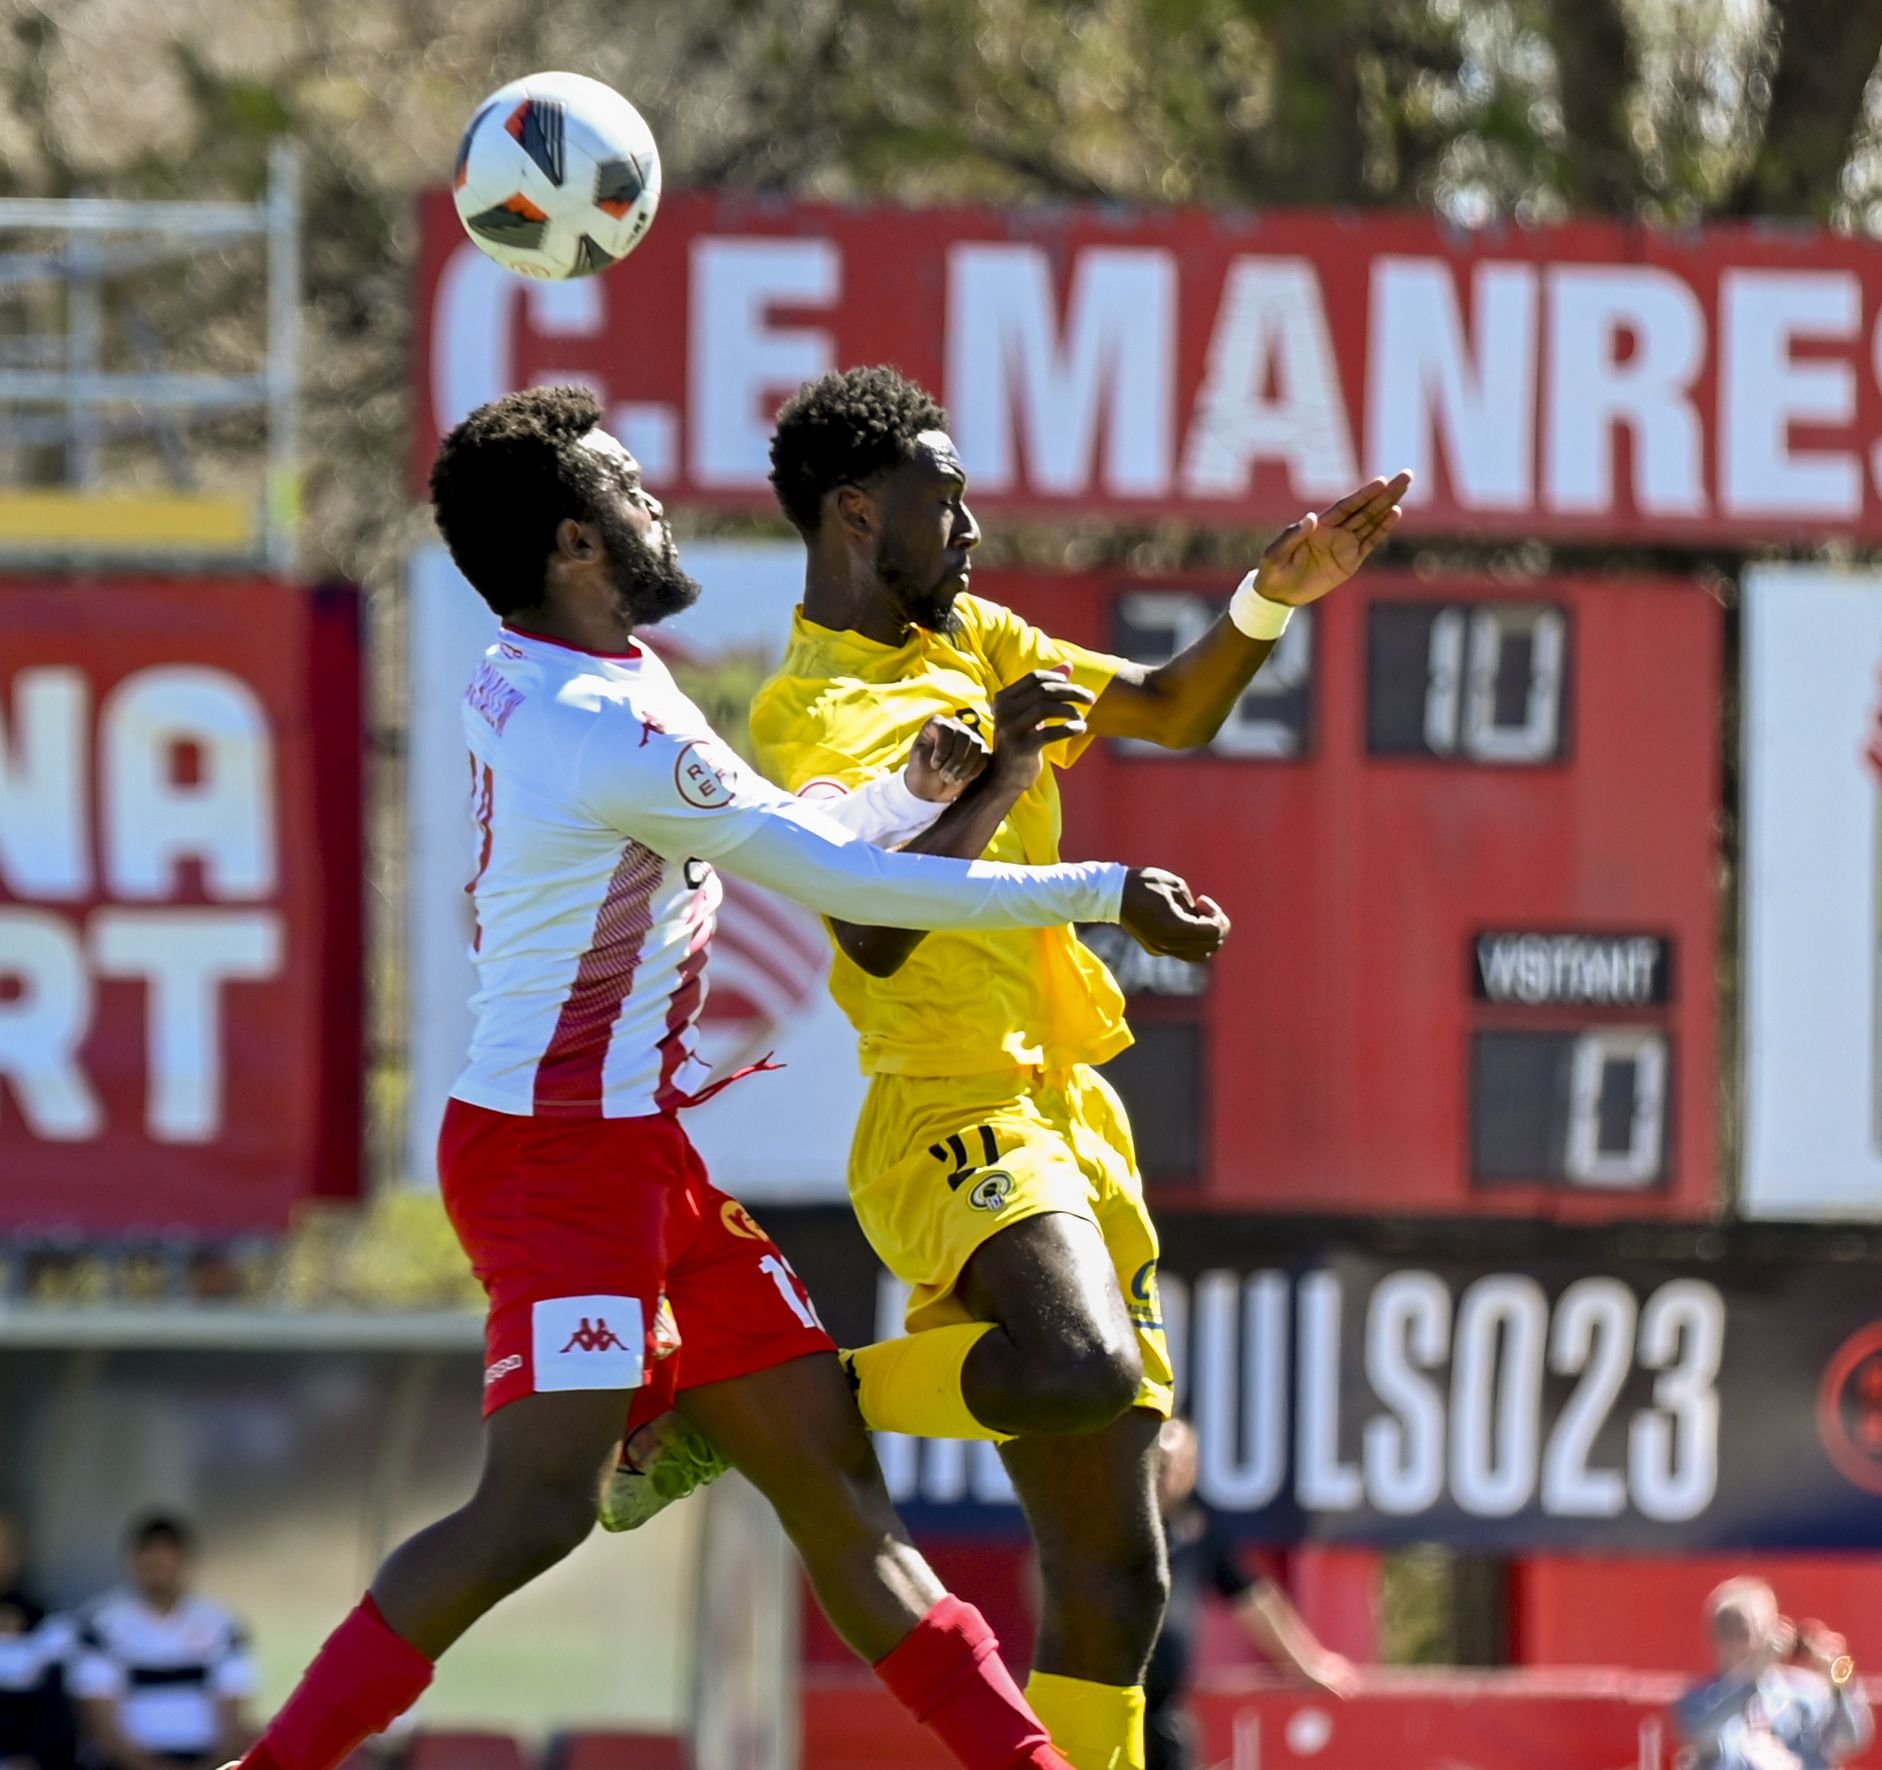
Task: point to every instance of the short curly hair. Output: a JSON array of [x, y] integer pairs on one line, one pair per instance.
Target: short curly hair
[[841, 429], [505, 478]]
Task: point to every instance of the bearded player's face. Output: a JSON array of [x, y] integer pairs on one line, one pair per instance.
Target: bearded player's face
[[927, 535], [643, 558]]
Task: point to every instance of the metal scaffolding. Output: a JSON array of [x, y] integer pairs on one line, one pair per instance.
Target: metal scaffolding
[[57, 391]]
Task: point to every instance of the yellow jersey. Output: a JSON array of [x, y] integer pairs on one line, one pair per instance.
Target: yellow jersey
[[844, 709]]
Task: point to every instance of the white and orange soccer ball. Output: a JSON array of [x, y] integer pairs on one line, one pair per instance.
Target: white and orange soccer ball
[[557, 176]]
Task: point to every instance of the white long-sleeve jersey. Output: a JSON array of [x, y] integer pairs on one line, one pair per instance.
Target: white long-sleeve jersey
[[603, 800]]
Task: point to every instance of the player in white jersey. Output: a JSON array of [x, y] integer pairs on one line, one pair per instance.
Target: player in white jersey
[[617, 1274]]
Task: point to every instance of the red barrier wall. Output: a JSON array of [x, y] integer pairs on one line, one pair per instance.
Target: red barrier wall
[[1569, 1610]]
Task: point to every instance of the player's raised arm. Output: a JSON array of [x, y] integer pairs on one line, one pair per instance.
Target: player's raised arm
[[1181, 704], [692, 798]]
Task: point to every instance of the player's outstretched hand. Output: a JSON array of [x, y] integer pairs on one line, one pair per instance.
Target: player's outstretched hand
[[946, 760], [1162, 916], [1319, 553], [1035, 710]]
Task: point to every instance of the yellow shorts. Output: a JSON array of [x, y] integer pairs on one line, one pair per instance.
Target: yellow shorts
[[942, 1163]]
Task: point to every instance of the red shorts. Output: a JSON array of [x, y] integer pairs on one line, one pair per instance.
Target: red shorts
[[595, 1240]]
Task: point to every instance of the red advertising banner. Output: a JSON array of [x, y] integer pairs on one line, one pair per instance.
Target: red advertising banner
[[1589, 380], [180, 918]]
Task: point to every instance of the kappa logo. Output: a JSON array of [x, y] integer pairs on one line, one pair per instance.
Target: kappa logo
[[595, 1336], [502, 1368], [593, 1342], [991, 1191]]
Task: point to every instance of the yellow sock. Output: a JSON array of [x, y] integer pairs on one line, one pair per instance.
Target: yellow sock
[[1096, 1726], [914, 1384]]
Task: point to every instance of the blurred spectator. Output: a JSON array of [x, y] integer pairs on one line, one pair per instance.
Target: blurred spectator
[[160, 1674], [35, 1724], [1201, 1557], [1761, 1713]]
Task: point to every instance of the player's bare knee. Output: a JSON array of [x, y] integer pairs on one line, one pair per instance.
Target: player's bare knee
[[1084, 1387]]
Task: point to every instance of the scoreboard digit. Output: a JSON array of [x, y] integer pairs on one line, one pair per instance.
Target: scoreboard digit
[[1480, 682]]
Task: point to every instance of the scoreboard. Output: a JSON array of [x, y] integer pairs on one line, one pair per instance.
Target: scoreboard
[[1468, 833]]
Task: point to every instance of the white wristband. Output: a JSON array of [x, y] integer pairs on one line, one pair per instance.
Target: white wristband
[[1254, 615]]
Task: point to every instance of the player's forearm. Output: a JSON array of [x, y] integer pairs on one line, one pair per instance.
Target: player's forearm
[[962, 832], [1275, 1626], [1181, 704], [850, 881], [883, 811]]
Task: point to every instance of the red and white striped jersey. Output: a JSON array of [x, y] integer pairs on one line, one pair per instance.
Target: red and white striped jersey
[[602, 798]]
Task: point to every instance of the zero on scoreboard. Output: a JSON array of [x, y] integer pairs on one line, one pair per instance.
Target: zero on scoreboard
[[1467, 830]]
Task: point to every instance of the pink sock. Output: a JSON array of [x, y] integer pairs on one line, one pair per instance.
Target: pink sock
[[949, 1675], [361, 1681]]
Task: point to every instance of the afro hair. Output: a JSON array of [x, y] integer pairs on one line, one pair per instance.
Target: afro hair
[[840, 430], [505, 478]]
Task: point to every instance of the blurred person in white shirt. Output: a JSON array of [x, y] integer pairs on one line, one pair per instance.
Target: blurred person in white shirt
[[1785, 1697], [161, 1675]]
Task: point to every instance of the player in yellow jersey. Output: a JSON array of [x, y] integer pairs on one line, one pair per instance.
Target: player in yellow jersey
[[993, 1168]]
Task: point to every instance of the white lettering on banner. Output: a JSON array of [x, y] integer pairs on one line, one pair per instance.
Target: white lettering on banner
[[1875, 365], [1322, 1483], [741, 366], [1408, 1332], [1010, 368], [1238, 1387], [1673, 1450], [1541, 969], [184, 957], [1430, 388], [43, 1025], [1496, 1392], [153, 816], [44, 822], [1270, 331], [1485, 1436], [1567, 378], [1592, 390], [151, 821], [471, 359], [1593, 1338], [1764, 390]]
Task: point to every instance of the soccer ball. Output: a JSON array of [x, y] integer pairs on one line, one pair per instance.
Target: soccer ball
[[557, 176]]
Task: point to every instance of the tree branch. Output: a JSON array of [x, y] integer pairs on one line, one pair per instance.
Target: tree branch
[[1597, 72], [1826, 56]]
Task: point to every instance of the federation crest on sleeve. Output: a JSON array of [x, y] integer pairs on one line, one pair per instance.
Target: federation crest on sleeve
[[706, 774]]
